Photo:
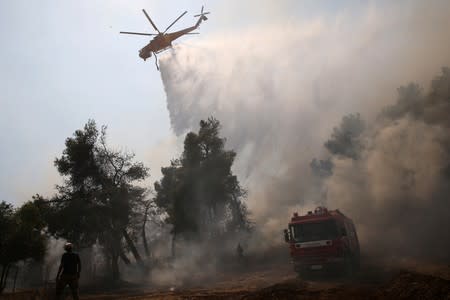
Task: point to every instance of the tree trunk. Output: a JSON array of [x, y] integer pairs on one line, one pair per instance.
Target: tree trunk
[[124, 258], [2, 286], [173, 245], [5, 272], [115, 267], [132, 246], [144, 239], [15, 279], [144, 236]]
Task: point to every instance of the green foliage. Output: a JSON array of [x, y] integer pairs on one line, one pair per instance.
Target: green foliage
[[22, 234], [322, 168], [78, 162], [345, 139], [409, 102], [432, 108], [198, 191], [6, 229], [412, 102], [98, 197], [345, 142]]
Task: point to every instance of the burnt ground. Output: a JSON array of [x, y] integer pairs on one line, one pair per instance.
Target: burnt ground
[[373, 281]]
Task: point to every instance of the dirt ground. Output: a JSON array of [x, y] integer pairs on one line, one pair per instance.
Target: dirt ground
[[407, 281], [371, 282]]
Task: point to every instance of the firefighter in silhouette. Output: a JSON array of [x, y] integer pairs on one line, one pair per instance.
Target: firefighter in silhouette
[[68, 272], [240, 252]]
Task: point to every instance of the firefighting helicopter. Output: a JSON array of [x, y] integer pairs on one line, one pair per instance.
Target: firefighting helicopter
[[163, 40]]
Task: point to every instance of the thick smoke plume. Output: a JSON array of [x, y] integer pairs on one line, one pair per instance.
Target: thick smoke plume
[[279, 90], [398, 189]]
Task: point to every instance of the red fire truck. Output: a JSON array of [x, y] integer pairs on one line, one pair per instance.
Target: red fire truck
[[323, 240]]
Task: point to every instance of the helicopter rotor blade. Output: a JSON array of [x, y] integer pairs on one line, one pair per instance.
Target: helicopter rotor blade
[[175, 21], [193, 33], [137, 33], [150, 20]]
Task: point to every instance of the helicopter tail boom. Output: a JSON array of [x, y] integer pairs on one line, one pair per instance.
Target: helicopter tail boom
[[202, 17]]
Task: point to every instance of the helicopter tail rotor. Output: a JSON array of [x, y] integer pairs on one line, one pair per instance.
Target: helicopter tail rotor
[[202, 14]]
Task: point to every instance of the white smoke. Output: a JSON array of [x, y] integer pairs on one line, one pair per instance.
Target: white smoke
[[279, 89]]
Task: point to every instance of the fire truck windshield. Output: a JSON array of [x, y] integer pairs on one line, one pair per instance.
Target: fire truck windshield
[[314, 231]]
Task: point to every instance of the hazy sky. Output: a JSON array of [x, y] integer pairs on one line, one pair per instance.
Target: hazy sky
[[63, 62]]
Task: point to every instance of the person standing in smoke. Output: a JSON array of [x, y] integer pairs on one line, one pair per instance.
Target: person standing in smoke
[[240, 252], [68, 272]]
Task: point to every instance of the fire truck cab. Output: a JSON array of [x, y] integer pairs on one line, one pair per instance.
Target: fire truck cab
[[323, 240]]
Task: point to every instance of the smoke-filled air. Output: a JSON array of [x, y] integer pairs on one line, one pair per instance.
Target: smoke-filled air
[[291, 149], [324, 113]]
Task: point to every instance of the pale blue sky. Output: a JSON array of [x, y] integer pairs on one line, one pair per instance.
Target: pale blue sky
[[63, 62]]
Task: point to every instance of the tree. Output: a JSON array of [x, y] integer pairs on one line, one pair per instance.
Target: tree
[[321, 168], [21, 237], [432, 108], [98, 198], [409, 102], [199, 192], [345, 139]]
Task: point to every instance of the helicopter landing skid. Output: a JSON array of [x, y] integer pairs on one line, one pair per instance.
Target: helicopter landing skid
[[156, 61], [159, 51]]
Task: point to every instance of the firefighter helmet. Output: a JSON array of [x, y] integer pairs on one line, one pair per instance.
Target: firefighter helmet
[[68, 246]]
